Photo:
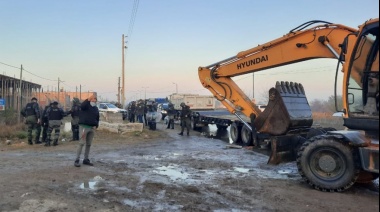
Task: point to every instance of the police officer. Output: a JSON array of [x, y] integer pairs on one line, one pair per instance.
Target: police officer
[[185, 118], [55, 116], [32, 114], [140, 110], [45, 123], [132, 111], [171, 115], [74, 111]]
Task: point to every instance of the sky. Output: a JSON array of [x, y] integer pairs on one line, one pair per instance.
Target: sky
[[80, 42]]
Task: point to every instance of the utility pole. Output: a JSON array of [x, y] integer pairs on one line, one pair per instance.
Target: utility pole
[[80, 92], [145, 92], [76, 91], [123, 47], [118, 91], [58, 90], [19, 106]]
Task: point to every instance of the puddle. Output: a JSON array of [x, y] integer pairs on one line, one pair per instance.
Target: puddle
[[171, 172], [88, 185], [241, 170]]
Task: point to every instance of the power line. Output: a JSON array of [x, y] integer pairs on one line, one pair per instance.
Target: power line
[[27, 71], [10, 65], [133, 18]]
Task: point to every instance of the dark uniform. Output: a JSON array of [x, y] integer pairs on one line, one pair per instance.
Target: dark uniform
[[55, 116], [132, 112], [45, 123], [185, 118], [32, 114], [75, 109], [140, 111], [171, 115]]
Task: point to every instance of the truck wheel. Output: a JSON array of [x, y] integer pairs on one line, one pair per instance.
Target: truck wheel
[[246, 136], [327, 165], [235, 133]]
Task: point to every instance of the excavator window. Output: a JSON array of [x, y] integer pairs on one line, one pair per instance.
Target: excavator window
[[363, 86]]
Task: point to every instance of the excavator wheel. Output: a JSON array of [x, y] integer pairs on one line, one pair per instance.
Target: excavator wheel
[[235, 133], [327, 165], [246, 136]]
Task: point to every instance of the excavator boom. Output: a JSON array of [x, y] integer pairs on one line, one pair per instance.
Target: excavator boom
[[300, 44]]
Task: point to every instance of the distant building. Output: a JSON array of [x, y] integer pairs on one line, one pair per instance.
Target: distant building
[[12, 96], [64, 98]]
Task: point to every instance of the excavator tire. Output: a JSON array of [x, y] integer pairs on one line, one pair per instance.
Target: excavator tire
[[246, 136], [327, 165], [235, 133]]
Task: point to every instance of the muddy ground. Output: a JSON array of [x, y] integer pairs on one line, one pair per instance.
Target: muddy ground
[[160, 171]]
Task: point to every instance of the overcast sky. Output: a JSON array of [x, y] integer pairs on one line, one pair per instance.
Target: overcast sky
[[80, 42]]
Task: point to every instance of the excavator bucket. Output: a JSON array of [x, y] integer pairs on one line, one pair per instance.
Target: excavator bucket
[[287, 109]]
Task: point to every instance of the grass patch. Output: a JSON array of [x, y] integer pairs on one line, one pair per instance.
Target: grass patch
[[327, 120]]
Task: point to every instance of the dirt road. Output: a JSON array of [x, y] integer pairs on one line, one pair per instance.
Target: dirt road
[[160, 171]]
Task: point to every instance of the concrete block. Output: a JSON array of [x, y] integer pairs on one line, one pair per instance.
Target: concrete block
[[111, 117], [121, 128]]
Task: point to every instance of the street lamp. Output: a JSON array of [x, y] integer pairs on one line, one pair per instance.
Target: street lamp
[[176, 87], [144, 92]]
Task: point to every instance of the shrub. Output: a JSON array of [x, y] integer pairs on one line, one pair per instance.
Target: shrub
[[8, 116], [11, 131]]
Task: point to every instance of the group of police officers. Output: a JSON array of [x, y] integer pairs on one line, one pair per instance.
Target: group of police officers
[[50, 119], [140, 108]]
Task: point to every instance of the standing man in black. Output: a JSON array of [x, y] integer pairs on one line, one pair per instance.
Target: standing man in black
[[75, 109], [32, 116], [171, 115], [45, 123], [55, 116], [88, 123], [185, 118]]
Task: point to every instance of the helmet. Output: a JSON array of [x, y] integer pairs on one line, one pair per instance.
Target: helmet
[[182, 104], [55, 103], [75, 100], [34, 98]]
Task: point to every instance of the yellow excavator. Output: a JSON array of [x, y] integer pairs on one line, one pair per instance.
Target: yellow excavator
[[327, 159]]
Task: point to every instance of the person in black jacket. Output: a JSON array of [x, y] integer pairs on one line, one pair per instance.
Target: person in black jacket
[[185, 118], [32, 116], [74, 111], [45, 123], [54, 115], [88, 122]]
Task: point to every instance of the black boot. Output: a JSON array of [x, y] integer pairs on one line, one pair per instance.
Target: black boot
[[76, 163], [187, 133], [55, 142], [30, 142], [38, 142], [181, 133], [87, 162], [47, 143]]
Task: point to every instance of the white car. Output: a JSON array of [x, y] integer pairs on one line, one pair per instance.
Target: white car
[[109, 107]]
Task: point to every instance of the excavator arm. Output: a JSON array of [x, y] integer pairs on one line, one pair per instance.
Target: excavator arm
[[300, 44]]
